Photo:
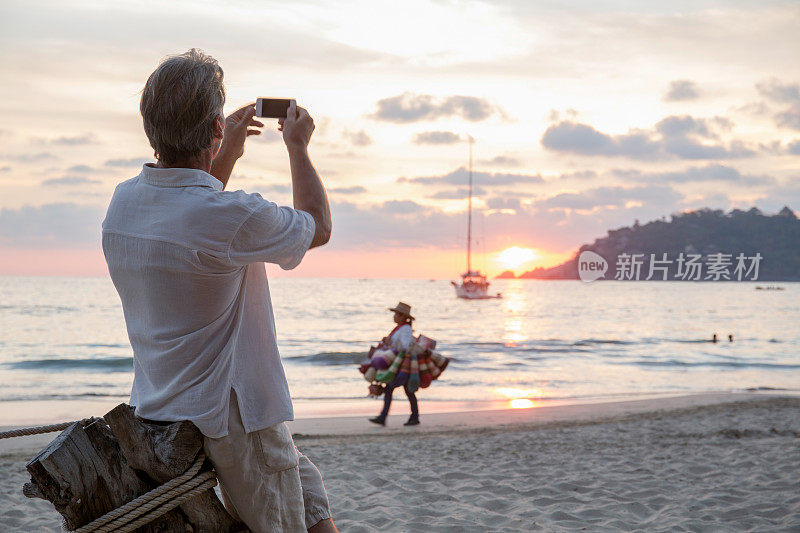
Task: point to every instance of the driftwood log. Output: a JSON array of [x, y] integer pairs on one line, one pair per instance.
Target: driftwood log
[[88, 471]]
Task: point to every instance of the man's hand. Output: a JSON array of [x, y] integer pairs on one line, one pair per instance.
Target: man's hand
[[297, 127], [238, 127]]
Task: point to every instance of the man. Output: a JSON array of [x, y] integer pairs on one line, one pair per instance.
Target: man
[[187, 258]]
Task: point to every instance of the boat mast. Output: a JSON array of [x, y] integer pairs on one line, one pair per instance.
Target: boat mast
[[469, 211]]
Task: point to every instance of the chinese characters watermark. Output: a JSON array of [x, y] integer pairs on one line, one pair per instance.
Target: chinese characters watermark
[[662, 267]]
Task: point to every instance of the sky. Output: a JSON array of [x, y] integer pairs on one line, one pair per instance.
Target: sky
[[586, 116]]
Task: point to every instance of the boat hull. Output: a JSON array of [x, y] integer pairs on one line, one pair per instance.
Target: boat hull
[[473, 293]]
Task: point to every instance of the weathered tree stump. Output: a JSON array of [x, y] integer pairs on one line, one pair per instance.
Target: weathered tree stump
[[164, 452], [88, 471], [84, 475]]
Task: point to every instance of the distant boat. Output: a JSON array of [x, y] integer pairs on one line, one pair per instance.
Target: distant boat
[[474, 285]]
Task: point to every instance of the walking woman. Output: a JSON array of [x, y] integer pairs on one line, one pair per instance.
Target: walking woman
[[399, 340]]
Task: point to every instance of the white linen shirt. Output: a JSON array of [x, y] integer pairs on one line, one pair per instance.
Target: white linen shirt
[[401, 339], [188, 262]]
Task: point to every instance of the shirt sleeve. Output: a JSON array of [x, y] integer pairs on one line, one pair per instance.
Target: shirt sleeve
[[402, 339], [272, 234]]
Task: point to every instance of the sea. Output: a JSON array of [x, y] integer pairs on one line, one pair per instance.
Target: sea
[[543, 342]]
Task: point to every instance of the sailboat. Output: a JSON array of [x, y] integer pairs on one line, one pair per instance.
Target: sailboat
[[474, 285]]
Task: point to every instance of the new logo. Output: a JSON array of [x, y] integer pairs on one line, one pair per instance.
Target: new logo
[[591, 266]]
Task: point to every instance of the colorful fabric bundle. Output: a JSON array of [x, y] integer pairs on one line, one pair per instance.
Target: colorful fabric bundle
[[438, 364], [389, 375], [408, 368], [417, 368], [425, 377], [413, 377], [426, 342], [382, 359]]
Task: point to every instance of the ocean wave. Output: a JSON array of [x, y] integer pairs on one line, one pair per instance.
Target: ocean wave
[[38, 310], [590, 342], [714, 364], [123, 396], [101, 345], [329, 358], [108, 364], [541, 349]]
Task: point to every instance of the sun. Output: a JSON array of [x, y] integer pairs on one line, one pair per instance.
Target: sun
[[515, 257]]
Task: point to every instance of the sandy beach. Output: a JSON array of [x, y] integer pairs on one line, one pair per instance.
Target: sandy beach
[[716, 462]]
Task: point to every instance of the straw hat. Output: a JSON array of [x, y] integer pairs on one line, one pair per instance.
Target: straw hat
[[402, 308]]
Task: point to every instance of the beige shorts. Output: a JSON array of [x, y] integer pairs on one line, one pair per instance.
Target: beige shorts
[[264, 479]]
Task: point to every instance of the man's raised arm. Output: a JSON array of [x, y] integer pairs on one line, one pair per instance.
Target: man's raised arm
[[307, 189]]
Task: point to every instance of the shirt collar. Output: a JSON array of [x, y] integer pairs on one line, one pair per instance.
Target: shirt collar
[[178, 177]]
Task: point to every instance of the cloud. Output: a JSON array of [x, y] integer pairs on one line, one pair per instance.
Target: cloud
[[401, 207], [775, 90], [753, 108], [277, 188], [789, 118], [504, 160], [560, 222], [614, 197], [60, 225], [460, 176], [579, 175], [358, 138], [5, 168], [503, 203], [80, 168], [781, 195], [357, 189], [69, 181], [437, 137], [787, 94], [408, 107], [685, 125], [30, 158], [794, 147], [457, 194], [583, 139], [681, 90], [708, 173], [75, 140], [129, 162], [682, 137]]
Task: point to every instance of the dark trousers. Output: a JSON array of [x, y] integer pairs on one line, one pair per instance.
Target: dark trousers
[[387, 401]]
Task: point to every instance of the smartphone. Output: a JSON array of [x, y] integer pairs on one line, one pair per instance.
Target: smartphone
[[272, 107]]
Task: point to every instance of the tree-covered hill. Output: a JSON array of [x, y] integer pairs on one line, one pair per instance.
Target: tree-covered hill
[[704, 236]]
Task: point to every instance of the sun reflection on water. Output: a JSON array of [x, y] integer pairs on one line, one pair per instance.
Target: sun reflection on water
[[519, 398], [521, 403], [514, 306]]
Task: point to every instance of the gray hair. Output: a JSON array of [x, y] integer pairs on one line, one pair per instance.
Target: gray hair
[[180, 102]]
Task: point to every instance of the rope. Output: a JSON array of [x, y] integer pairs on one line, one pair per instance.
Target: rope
[[41, 429], [167, 507], [157, 501], [144, 503]]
